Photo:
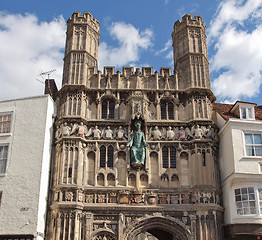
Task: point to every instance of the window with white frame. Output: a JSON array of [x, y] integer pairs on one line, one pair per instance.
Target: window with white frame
[[3, 158], [246, 112], [248, 200], [253, 144], [245, 201], [5, 122]]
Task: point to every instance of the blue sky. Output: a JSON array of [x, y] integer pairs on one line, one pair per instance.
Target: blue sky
[[136, 33]]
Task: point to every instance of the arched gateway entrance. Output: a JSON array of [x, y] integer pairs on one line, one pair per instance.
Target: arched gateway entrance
[[161, 228]]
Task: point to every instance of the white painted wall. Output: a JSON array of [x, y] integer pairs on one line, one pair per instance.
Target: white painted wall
[[237, 170], [25, 184]]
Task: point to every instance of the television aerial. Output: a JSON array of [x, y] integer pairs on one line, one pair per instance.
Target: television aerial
[[42, 74]]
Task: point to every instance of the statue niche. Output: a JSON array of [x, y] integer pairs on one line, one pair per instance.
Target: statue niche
[[137, 146]]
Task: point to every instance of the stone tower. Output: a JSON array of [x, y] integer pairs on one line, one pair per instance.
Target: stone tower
[[135, 151], [190, 52], [81, 50]]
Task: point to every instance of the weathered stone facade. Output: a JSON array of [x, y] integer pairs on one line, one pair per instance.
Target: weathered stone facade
[[96, 192]]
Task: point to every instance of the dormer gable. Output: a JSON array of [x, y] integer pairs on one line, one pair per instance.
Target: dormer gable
[[244, 110]]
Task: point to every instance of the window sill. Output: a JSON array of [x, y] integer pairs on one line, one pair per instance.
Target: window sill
[[5, 134], [2, 175], [251, 158]]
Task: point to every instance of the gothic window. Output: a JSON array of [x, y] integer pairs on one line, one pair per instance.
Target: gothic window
[[167, 110], [106, 156], [169, 157], [253, 142], [174, 178], [5, 123], [110, 156], [200, 110], [70, 172], [108, 109], [102, 156], [203, 158], [3, 158], [104, 236], [164, 178]]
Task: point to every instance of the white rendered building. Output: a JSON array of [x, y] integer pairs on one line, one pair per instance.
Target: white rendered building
[[240, 158], [25, 152]]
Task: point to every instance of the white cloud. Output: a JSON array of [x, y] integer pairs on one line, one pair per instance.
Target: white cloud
[[166, 2], [168, 45], [131, 42], [236, 33], [27, 48]]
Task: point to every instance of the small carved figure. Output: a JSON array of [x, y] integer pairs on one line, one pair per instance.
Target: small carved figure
[[97, 133], [108, 133], [137, 144], [181, 134], [210, 133], [63, 130], [189, 133], [155, 134], [121, 133], [80, 129], [170, 134], [198, 133]]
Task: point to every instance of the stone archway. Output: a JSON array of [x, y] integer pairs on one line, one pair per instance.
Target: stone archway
[[163, 228], [103, 235]]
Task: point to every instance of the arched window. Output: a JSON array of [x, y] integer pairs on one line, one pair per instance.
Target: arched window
[[102, 156], [167, 110], [174, 178], [106, 156], [203, 158], [164, 178], [110, 156], [172, 157], [165, 157], [108, 109], [169, 157]]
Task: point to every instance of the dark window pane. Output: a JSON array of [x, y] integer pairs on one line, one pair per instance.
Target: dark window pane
[[163, 110], [104, 110], [203, 159], [172, 157], [170, 111], [111, 110], [257, 138], [110, 156], [165, 157], [102, 156]]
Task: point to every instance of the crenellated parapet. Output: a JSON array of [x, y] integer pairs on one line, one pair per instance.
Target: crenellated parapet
[[86, 18], [188, 20]]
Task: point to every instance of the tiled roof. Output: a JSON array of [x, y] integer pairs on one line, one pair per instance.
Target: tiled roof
[[224, 110]]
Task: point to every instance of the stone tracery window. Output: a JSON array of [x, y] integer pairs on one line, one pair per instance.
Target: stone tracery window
[[168, 157], [108, 109], [104, 236], [106, 156], [167, 110]]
